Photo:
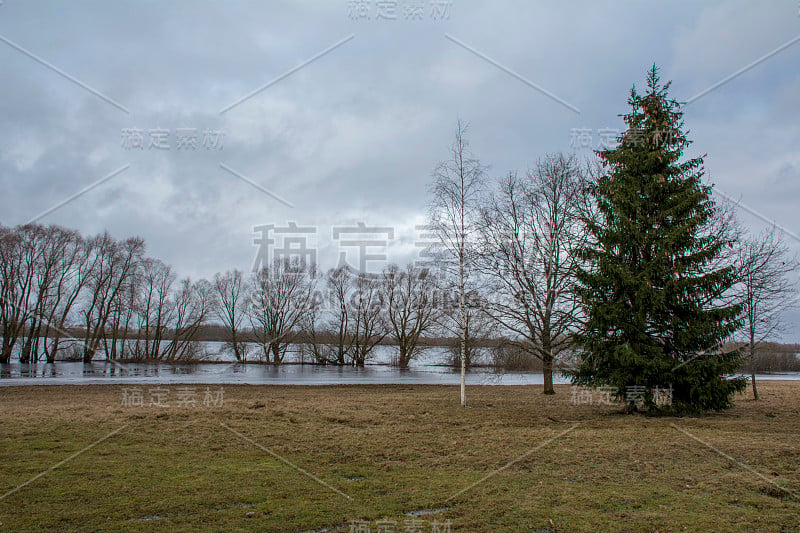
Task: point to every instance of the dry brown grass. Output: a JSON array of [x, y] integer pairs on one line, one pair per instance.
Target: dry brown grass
[[392, 450]]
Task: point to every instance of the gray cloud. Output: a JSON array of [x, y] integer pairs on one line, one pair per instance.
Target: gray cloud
[[354, 135]]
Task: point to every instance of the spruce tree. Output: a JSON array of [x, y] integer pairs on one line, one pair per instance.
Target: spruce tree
[[652, 291]]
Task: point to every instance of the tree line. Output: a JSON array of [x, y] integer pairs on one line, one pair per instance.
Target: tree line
[[54, 281], [56, 284], [65, 294]]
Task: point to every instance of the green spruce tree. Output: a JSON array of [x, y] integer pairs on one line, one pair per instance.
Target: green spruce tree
[[652, 291]]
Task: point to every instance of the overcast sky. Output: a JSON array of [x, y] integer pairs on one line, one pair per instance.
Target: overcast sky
[[204, 120]]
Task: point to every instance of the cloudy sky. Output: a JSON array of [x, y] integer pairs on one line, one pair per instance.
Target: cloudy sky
[[192, 123]]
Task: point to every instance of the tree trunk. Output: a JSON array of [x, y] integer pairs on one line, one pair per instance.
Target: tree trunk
[[359, 359], [276, 353], [403, 358], [752, 366], [235, 346], [25, 352], [5, 353], [88, 354], [267, 353], [50, 353], [463, 320], [463, 371], [36, 340], [547, 371]]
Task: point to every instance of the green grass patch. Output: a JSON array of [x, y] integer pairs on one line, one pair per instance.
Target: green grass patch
[[329, 457]]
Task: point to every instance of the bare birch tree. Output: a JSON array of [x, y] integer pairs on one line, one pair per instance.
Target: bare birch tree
[[456, 189]]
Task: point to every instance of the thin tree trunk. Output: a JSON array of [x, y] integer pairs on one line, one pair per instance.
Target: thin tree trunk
[[51, 353], [463, 354], [463, 310], [752, 365], [5, 353]]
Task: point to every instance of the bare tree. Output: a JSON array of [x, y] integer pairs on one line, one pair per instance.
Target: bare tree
[[124, 317], [7, 248], [480, 326], [44, 251], [153, 307], [530, 235], [316, 346], [338, 283], [410, 310], [765, 289], [36, 271], [367, 317], [16, 282], [454, 211], [232, 294], [42, 271], [115, 265], [73, 273], [282, 297], [194, 303], [354, 322]]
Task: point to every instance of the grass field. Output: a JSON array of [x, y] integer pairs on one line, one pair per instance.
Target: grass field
[[359, 458]]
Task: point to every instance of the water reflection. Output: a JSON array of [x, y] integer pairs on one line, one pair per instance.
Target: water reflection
[[77, 373], [29, 370], [426, 370]]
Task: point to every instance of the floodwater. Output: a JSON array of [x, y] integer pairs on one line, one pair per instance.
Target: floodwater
[[76, 373], [428, 369], [72, 373]]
